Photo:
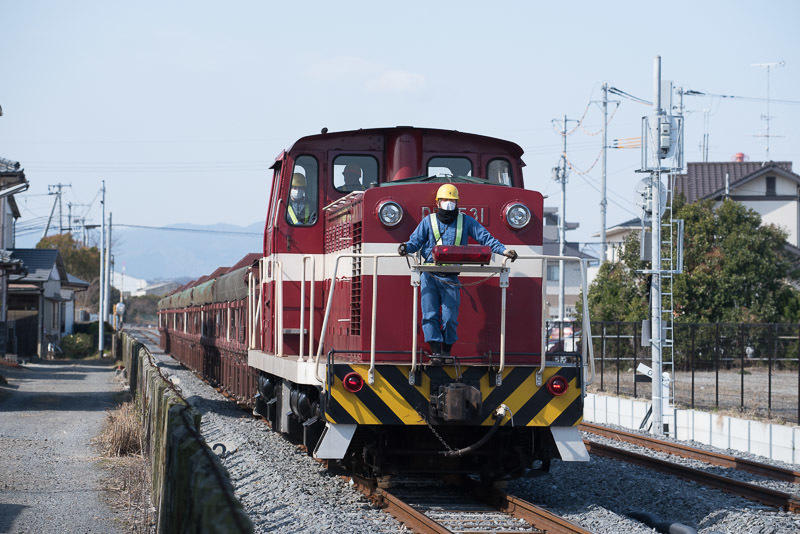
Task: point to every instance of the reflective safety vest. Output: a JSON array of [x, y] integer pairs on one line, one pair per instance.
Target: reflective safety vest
[[459, 229], [293, 217]]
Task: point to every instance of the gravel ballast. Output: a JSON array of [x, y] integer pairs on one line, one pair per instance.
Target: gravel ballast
[[600, 495], [284, 490], [281, 488], [50, 480]]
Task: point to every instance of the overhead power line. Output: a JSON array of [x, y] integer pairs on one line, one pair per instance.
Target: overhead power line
[[692, 92], [623, 94], [194, 230]]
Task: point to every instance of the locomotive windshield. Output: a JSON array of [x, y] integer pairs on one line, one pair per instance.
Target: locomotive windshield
[[449, 166], [354, 173]]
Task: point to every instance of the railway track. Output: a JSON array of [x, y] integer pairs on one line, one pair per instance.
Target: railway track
[[685, 451], [465, 508], [753, 492]]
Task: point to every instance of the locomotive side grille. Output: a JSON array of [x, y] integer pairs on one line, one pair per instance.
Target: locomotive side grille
[[355, 284]]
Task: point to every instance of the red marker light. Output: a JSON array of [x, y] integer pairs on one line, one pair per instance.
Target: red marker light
[[462, 254], [353, 382], [557, 385]]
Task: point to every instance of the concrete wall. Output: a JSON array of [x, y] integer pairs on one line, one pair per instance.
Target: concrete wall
[[191, 490], [778, 442]]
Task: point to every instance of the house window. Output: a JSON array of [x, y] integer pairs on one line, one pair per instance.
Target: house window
[[770, 186], [552, 273]]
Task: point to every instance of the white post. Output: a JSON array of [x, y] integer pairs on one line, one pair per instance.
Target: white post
[[655, 284], [102, 301], [107, 294], [603, 201], [562, 227]]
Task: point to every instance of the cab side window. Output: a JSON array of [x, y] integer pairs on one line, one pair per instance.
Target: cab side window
[[498, 171], [301, 206], [354, 173]]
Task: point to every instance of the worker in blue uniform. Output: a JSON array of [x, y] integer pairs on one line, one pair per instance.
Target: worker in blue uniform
[[441, 292]]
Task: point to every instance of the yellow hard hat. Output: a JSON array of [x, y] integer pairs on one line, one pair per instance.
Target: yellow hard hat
[[298, 180], [447, 191]]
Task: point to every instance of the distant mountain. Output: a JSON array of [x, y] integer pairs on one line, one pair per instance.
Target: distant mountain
[[168, 254]]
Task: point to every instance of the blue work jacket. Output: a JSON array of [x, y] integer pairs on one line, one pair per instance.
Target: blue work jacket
[[422, 238]]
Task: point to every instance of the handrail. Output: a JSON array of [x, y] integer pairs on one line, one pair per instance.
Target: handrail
[[303, 308], [371, 372], [587, 344]]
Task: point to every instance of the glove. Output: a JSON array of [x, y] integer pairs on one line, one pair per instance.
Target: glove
[[402, 249], [510, 254]]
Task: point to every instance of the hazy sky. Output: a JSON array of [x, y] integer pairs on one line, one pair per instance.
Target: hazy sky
[[181, 106]]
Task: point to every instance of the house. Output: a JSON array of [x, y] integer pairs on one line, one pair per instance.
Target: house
[[572, 270], [12, 181], [770, 188], [616, 236], [40, 302]]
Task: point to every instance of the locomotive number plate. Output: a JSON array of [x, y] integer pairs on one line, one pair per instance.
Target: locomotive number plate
[[479, 213]]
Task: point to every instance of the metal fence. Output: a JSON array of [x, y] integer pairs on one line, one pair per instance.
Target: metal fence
[[749, 368]]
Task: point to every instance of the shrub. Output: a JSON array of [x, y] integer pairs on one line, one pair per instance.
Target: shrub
[[77, 345]]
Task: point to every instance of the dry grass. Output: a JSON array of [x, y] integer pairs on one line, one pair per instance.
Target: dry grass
[[122, 432], [127, 483], [127, 490]]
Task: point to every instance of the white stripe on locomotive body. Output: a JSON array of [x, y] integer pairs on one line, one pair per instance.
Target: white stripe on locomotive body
[[292, 263]]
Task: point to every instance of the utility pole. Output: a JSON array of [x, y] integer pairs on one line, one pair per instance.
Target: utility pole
[[69, 217], [655, 251], [101, 311], [603, 200], [560, 175], [767, 117]]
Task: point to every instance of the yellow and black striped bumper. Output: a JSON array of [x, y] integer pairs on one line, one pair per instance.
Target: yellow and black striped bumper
[[392, 401]]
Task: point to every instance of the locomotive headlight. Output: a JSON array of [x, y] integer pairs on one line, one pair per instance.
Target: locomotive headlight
[[390, 213], [517, 215]]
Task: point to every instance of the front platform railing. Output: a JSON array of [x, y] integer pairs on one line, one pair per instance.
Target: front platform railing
[[270, 269]]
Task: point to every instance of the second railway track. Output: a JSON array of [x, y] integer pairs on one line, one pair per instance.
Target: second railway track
[[464, 508], [747, 490]]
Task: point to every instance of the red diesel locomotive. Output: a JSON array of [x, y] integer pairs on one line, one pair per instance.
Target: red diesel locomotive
[[322, 332]]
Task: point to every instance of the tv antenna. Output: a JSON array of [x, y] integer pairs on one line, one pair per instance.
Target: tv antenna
[[766, 118]]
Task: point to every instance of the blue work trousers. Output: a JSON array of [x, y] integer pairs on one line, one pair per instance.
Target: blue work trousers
[[441, 298]]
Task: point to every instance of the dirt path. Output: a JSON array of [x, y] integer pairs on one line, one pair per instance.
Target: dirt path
[[49, 472]]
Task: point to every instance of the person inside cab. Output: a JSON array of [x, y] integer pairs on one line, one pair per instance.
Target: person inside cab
[[352, 178], [299, 209], [441, 292]]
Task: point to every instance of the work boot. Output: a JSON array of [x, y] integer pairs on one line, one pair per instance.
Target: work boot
[[436, 347], [446, 349]]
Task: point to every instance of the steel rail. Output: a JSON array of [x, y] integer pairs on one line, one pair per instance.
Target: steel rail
[[537, 516], [397, 508], [749, 491], [685, 451]]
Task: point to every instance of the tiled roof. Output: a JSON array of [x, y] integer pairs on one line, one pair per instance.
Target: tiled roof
[[703, 179], [9, 166], [39, 263], [74, 281]]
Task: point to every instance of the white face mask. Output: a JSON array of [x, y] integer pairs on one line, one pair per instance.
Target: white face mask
[[447, 205], [298, 194]]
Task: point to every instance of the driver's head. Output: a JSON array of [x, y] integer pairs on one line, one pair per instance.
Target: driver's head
[[352, 176], [298, 190]]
